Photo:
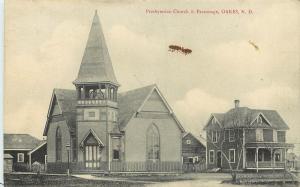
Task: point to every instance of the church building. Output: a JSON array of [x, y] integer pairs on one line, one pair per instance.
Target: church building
[[95, 128]]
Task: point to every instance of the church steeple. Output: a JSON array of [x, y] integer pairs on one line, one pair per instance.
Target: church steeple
[[96, 66], [96, 78]]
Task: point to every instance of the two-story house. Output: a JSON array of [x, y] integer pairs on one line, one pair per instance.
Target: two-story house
[[245, 138]]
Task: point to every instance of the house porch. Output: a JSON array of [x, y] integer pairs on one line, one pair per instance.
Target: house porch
[[266, 156]]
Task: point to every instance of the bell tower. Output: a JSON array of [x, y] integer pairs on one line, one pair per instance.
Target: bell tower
[[97, 102]]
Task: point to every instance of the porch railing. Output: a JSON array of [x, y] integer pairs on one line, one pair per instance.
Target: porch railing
[[265, 164]]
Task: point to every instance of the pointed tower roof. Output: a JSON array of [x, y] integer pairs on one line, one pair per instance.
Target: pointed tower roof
[[96, 65]]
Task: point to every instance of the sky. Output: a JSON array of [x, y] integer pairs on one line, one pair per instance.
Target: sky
[[45, 41]]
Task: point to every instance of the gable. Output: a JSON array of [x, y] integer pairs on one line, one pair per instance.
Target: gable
[[62, 107], [212, 123], [55, 109], [154, 103], [260, 122], [193, 139]]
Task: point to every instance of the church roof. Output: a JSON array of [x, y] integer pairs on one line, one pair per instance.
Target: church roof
[[66, 100], [20, 141], [96, 64], [129, 103]]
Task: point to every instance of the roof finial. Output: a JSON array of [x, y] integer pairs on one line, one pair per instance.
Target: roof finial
[[96, 11]]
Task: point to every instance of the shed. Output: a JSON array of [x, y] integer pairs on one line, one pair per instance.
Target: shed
[[8, 163]]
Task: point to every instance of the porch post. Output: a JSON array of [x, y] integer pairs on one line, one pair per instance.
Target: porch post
[[272, 159], [256, 160], [29, 161], [284, 158], [244, 150]]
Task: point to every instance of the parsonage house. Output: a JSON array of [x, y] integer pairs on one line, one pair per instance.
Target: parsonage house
[[95, 128], [22, 150], [246, 139]]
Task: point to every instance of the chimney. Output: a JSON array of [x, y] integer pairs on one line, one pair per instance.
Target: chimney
[[236, 103]]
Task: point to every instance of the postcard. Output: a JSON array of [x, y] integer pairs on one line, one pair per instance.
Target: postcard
[[151, 93]]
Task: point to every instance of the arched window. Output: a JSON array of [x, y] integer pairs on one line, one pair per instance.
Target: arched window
[[153, 147], [58, 144]]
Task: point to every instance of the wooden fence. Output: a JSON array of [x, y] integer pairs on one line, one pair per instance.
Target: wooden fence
[[146, 166], [116, 166], [194, 167]]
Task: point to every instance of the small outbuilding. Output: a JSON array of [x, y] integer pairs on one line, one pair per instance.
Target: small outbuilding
[[8, 163], [193, 153], [24, 150]]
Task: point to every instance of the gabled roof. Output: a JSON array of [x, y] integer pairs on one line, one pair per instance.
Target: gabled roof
[[132, 101], [43, 143], [91, 132], [186, 134], [20, 142], [96, 65], [244, 116], [66, 100], [129, 103]]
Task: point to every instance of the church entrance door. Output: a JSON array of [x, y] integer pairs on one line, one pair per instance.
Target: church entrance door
[[92, 153]]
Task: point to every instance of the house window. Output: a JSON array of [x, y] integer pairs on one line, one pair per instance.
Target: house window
[[232, 155], [58, 144], [259, 135], [211, 156], [188, 141], [20, 157], [231, 135], [281, 136], [153, 147], [214, 136], [274, 136], [259, 120]]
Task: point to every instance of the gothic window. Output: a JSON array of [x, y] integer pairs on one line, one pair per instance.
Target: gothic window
[[58, 144], [153, 147]]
